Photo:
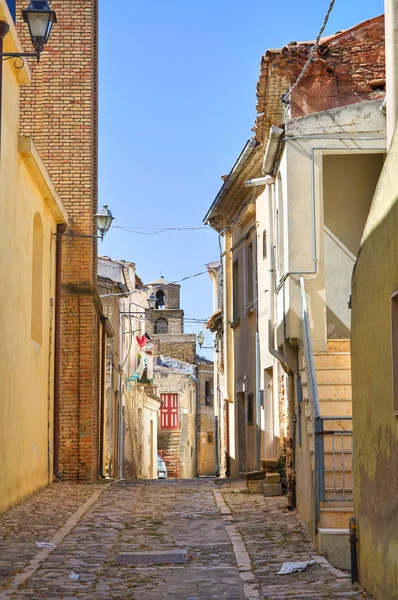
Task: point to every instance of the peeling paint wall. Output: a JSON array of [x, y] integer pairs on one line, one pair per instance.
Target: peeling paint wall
[[375, 426]]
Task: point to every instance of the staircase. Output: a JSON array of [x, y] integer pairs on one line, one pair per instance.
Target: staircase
[[334, 450], [168, 448]]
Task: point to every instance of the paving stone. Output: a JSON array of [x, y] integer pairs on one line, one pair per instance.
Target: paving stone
[[218, 532]]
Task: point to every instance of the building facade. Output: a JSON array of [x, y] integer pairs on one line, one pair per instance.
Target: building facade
[[31, 210], [207, 442], [297, 199], [130, 405], [60, 112], [174, 378]]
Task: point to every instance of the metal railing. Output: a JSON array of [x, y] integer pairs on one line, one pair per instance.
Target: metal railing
[[338, 440], [315, 412], [339, 449]]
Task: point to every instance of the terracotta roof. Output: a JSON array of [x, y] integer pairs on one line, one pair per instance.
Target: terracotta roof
[[280, 65], [215, 321]]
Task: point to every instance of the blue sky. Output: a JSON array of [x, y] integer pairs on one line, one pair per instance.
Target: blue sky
[[177, 103]]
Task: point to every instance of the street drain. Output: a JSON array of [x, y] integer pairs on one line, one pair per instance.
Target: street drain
[[175, 557]]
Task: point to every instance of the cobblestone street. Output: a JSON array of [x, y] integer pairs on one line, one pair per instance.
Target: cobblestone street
[[235, 544]]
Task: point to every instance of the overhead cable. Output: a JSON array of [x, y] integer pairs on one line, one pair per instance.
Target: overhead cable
[[159, 231], [153, 287], [285, 97]]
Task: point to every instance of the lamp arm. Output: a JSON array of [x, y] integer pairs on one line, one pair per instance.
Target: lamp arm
[[21, 55], [82, 235]]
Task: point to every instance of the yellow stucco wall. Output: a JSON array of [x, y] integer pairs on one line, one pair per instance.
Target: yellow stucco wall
[[26, 367], [375, 426]]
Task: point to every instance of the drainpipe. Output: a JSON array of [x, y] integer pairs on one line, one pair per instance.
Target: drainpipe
[[102, 402], [271, 277], [110, 419], [258, 363], [57, 345], [120, 424], [4, 29]]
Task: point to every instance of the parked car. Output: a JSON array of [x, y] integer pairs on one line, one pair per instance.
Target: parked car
[[162, 469]]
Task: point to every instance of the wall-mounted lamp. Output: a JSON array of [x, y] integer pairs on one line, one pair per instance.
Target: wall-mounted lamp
[[151, 304], [40, 19], [152, 300], [104, 219], [201, 338]]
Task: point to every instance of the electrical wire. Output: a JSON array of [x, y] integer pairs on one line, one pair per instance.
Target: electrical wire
[[285, 97], [160, 230], [154, 287]]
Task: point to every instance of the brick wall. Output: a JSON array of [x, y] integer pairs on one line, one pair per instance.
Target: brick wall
[[172, 295], [348, 67], [348, 70], [182, 347], [60, 112]]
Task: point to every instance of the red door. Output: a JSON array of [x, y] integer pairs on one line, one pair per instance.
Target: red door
[[169, 411]]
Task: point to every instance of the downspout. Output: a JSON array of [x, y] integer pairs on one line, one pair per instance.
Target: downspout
[[271, 279], [197, 421], [217, 436], [271, 156], [102, 402], [120, 411], [4, 29], [258, 365], [110, 428], [57, 345]]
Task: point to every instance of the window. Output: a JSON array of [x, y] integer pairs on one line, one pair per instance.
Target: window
[[250, 278], [160, 299], [265, 243], [235, 290], [37, 280], [208, 392], [209, 438], [161, 326], [250, 409]]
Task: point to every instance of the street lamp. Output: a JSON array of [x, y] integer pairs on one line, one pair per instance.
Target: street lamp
[[40, 19], [152, 300], [201, 339], [104, 220]]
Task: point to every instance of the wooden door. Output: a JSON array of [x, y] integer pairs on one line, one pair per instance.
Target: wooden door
[[169, 411]]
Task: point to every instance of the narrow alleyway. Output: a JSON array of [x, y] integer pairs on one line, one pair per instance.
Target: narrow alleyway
[[234, 542]]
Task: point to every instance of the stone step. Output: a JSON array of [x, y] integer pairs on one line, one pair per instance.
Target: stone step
[[339, 345], [332, 407], [327, 391], [330, 375], [334, 375], [332, 359], [335, 517], [334, 543]]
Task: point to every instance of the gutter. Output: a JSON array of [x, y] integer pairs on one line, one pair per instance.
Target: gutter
[[273, 150], [233, 175], [57, 347]]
